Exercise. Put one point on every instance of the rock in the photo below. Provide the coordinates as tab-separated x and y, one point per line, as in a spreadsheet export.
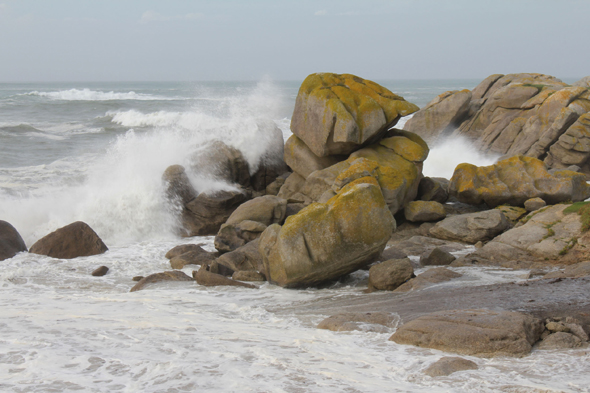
512	213
437	257
420	211
72	241
581	269
430	277
422	245
392	253
222	270
291	189
137	278
573	146
433	189
513	181
303	161
101	271
183	249
274	187
441	116
557	327
11	242
483	333
159	277
326	241
560	340
471	228
248	275
389	275
178	185
205	214
233	236
266	209
337	114
534	204
293	208
209	279
378	322
584	82
244	258
218	160
197	256
448	365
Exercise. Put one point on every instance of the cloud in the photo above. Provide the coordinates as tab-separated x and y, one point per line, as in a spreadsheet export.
321	13
152	16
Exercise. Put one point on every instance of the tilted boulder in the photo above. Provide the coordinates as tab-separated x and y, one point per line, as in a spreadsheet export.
337	114
471	227
72	241
11	241
325	241
178	185
482	333
515	180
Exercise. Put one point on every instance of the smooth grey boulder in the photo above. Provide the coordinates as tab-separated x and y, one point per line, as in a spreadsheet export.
483	333
11	242
437	257
218	160
471	228
178	185
303	161
266	209
388	275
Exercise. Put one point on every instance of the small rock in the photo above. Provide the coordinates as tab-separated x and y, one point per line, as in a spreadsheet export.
560	340
248	275
420	211
11	241
557	327
223	270
101	271
159	277
390	274
137	278
437	257
448	365
479	244
206	278
534	204
183	249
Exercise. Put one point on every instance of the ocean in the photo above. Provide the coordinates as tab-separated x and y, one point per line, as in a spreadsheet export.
96	152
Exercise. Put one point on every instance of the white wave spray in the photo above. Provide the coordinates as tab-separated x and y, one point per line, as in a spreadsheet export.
122	196
93	95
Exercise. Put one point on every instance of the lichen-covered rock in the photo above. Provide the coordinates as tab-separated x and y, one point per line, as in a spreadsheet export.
327	240
11	241
512	213
248	275
515	180
72	241
441	116
336	114
303	161
421	211
573	146
482	333
389	275
472	227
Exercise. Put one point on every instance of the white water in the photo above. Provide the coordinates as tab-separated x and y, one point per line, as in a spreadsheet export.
63	330
92	95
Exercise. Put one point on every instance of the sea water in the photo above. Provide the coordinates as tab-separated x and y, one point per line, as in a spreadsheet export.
95	152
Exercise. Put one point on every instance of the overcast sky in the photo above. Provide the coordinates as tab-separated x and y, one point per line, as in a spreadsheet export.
183	40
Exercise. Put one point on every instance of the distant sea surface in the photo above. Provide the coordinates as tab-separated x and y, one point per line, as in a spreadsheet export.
96	152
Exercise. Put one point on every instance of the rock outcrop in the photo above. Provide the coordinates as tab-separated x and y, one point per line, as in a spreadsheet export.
517	114
327	240
515	180
11	242
72	241
337	114
483	333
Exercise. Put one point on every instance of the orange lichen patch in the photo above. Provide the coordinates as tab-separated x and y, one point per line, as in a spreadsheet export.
406	148
358	168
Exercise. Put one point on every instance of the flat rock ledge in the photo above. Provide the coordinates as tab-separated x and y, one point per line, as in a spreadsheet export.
482	333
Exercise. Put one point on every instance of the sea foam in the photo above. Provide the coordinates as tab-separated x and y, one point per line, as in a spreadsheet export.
93	95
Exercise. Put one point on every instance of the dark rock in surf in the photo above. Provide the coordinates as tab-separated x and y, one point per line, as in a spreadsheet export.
197	256
160	277
448	365
248	275
183	249
178	185
11	242
379	322
204	215
72	241
437	257
245	258
206	278
101	271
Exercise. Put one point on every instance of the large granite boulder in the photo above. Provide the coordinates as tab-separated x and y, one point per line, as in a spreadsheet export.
204	215
303	161
218	160
514	114
388	275
482	333
395	162
11	241
515	180
72	241
337	114
325	241
471	227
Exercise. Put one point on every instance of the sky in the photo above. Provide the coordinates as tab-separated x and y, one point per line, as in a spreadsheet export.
201	40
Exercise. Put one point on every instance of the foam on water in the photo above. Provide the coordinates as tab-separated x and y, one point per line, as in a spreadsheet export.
93	95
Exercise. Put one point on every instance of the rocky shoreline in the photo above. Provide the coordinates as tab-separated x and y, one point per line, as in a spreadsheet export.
346	192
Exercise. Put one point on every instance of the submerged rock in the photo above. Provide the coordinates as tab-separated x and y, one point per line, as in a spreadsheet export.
72	241
160	277
482	333
448	365
11	242
101	271
204	277
197	256
379	322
